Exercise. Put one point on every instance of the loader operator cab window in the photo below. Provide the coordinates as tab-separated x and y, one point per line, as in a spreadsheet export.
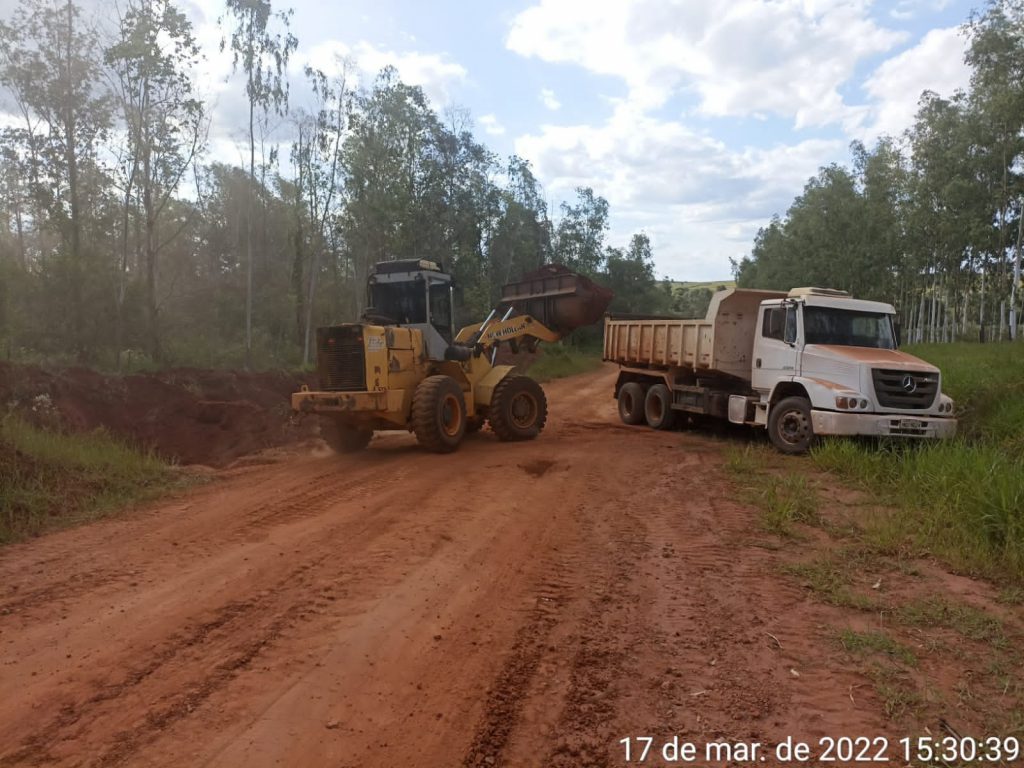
404	302
441	309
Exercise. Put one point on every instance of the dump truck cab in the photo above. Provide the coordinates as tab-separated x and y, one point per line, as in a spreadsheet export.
841	355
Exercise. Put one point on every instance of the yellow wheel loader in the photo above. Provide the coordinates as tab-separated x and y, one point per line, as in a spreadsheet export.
404	367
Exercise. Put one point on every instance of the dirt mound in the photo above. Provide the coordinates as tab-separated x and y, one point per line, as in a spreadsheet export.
190	415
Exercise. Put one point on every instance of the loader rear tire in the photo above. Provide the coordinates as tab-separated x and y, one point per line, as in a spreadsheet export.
658	408
342	437
439	414
518	409
631	403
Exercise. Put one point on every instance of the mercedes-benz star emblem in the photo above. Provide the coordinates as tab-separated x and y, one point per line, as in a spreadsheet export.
909	384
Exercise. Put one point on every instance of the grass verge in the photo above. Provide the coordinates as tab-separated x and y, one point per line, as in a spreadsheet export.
557	361
961	500
784	500
51	480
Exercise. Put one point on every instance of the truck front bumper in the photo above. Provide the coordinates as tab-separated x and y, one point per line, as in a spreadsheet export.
882	425
347	402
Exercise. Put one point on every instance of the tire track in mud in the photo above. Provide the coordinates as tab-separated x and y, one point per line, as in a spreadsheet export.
210	654
574	631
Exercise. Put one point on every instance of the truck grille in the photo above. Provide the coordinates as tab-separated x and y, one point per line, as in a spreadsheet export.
905	389
341	359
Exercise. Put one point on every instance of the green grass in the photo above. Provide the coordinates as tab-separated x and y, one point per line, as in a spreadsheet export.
831	578
961	500
784	500
50	480
963	619
556	361
876	642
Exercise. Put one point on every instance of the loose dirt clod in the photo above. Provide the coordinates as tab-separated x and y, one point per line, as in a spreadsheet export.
537	467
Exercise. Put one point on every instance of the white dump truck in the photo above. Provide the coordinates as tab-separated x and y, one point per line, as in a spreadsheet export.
806	363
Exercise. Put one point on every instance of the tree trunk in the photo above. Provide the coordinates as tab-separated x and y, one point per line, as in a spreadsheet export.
248	237
71	158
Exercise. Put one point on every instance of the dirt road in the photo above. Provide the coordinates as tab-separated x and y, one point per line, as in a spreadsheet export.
521	605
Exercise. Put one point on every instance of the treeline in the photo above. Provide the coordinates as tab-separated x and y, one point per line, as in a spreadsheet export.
931	220
123	244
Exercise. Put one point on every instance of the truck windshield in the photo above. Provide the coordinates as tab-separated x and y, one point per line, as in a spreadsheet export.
848	328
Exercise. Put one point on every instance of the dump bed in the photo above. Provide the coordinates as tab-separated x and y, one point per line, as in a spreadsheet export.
722	342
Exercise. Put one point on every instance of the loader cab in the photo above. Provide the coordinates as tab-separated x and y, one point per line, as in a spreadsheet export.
414	293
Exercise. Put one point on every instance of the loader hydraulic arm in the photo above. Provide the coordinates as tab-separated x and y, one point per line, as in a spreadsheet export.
507	329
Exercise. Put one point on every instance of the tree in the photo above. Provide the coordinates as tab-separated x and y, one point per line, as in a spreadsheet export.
50	65
579	237
263	56
151	62
316	156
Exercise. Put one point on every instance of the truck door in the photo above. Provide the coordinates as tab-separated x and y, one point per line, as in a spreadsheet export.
776	351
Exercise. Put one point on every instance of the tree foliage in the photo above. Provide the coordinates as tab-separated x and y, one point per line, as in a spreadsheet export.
930	220
123	244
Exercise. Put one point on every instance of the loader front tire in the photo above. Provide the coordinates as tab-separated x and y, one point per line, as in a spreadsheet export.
439	414
342	437
518	409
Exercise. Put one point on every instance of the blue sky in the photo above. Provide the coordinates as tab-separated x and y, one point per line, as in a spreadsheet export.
696	120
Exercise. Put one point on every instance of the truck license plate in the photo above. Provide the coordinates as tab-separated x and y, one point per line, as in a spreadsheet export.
912	424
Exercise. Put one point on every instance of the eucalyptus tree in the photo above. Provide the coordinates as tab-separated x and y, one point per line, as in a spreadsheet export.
316	155
262	54
152	63
49	64
996	56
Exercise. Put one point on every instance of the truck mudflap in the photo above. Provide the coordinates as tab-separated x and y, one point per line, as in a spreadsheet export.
308	401
882	425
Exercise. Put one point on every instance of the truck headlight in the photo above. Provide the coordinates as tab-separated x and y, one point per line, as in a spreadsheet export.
851	402
946	405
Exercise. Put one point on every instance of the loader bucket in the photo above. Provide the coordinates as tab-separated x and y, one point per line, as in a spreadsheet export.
558	297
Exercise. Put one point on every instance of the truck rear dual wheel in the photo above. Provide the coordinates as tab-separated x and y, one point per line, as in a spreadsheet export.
439	414
518	409
658	408
343	437
789	425
631	403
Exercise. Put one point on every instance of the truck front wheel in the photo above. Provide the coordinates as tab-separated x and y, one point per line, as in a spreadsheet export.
789	425
342	437
631	403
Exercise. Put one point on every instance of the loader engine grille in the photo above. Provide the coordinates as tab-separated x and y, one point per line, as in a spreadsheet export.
905	389
341	359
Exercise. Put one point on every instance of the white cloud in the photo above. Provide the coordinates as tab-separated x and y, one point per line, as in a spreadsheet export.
751	57
548	98
908	9
436	73
936	63
700	201
491	125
